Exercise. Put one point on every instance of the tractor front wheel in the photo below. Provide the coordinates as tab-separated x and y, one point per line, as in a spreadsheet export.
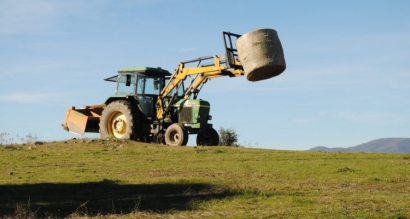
208	137
117	120
176	135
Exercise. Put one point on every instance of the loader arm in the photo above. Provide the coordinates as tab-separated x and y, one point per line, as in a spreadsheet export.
200	75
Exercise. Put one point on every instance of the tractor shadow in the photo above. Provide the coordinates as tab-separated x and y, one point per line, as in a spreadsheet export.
104	198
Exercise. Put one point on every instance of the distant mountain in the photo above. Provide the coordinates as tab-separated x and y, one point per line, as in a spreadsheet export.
384	145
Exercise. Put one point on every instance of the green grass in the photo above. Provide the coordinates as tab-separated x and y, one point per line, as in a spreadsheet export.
125	179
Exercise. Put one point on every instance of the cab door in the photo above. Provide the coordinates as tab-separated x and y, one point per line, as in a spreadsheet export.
147	91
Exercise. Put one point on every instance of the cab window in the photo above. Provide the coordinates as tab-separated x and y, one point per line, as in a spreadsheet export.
122	87
180	90
149	86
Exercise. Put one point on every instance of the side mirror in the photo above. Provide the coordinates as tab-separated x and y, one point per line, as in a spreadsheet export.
128	81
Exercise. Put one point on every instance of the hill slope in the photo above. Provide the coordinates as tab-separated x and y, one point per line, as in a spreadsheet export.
384	145
121	179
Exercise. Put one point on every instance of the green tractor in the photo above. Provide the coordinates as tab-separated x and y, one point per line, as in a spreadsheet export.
153	105
131	112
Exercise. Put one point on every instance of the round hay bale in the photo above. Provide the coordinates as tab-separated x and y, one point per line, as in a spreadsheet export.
261	55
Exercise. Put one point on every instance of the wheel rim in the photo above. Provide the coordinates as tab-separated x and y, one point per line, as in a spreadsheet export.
117	125
174	136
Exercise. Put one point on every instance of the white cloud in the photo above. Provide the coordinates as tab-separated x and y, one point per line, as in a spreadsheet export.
39	16
24	97
26	16
304	120
372	117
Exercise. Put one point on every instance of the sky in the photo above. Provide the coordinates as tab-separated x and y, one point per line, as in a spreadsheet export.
347	79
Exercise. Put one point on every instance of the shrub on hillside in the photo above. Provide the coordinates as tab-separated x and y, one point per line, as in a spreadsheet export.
228	137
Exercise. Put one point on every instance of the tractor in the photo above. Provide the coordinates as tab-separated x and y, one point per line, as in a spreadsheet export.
153	105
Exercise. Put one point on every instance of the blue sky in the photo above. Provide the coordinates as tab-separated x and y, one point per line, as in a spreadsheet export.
346	82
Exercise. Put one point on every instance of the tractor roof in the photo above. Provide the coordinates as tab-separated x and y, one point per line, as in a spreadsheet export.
146	71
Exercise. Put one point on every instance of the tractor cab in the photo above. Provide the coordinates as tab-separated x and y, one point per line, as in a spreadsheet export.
139	81
142	83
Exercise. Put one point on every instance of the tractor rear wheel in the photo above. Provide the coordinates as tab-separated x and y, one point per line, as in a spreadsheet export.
208	137
176	135
117	120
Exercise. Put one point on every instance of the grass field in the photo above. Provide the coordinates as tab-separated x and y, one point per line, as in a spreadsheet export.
125	179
